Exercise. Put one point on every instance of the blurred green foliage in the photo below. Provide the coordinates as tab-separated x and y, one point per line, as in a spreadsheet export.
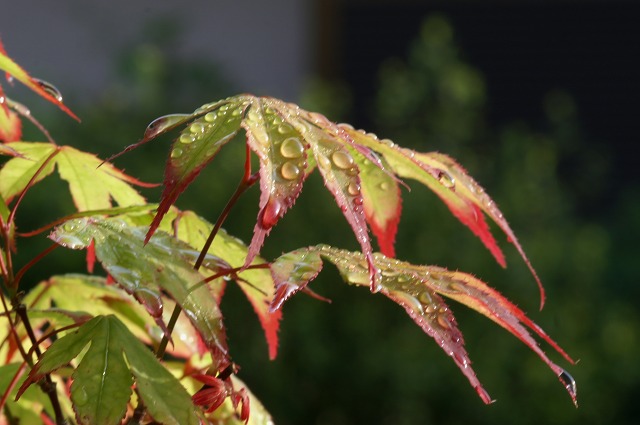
361	360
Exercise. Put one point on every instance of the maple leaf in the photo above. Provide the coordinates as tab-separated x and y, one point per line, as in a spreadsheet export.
420	291
92	187
361	171
145	271
103	379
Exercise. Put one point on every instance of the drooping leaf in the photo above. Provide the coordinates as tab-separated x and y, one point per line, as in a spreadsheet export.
145	271
419	290
282	152
256	284
92	187
102	380
363	183
42	88
10	124
196	146
466	199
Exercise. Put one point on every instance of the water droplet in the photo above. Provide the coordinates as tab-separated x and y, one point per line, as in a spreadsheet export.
291	148
346	126
570	384
161	124
372	135
384	186
236	112
270	214
317	118
210	117
425	298
456	287
150	300
358	201
446	179
187	138
387	142
197	128
79	396
253	116
223	108
408	301
342	159
323	161
353	189
176	153
289	170
284	128
49	88
443	322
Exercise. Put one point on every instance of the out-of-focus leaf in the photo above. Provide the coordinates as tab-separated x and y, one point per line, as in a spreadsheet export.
145	271
227	415
92	186
102	380
418	289
43	89
257	284
10	124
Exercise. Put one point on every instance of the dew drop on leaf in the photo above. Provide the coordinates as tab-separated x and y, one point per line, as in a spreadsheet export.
210	117
291	147
384	186
80	397
176	153
197	128
342	160
284	129
353	189
49	88
289	171
445	179
187	138
161	124
570	385
324	162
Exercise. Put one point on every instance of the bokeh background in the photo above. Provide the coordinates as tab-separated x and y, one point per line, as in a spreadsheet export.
537	99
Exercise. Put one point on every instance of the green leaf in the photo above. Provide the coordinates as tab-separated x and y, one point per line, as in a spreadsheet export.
256	284
102	380
419	290
91	184
145	271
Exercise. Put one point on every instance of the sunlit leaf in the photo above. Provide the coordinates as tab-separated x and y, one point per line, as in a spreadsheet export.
196	146
419	290
40	87
92	187
145	271
102	380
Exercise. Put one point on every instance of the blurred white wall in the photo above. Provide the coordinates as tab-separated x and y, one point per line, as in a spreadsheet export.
262	45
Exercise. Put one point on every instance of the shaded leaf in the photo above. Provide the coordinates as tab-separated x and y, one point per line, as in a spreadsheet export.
419	290
256	284
10	124
102	380
145	271
92	187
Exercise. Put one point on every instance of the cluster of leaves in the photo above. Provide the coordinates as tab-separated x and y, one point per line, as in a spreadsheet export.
165	270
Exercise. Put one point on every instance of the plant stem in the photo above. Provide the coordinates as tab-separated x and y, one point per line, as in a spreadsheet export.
247	181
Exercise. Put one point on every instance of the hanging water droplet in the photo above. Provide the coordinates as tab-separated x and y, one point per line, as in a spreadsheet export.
49	88
289	170
161	124
79	395
284	128
197	128
353	189
446	179
342	159
570	384
210	117
176	153
291	148
387	142
270	214
187	138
